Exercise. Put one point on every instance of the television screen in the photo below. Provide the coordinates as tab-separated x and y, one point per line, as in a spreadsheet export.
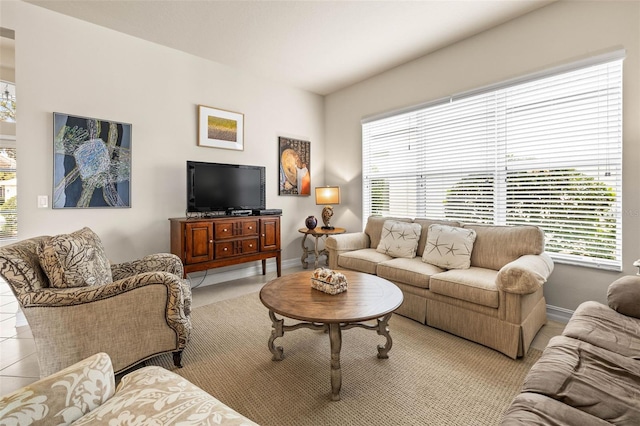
224	187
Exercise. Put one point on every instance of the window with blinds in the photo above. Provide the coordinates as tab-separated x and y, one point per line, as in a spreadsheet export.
8	183
544	150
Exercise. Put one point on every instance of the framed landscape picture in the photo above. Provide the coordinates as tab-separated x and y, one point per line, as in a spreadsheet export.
218	128
92	162
295	167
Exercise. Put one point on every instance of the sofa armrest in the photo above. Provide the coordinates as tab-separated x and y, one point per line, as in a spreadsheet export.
177	310
164	262
341	243
623	296
526	274
79	295
64	396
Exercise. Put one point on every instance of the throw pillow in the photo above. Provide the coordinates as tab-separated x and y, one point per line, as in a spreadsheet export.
399	239
623	295
449	247
75	260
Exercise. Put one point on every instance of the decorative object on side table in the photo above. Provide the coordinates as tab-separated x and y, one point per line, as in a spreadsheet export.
311	222
327	195
328	281
218	128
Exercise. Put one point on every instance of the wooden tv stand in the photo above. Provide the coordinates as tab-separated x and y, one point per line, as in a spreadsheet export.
213	242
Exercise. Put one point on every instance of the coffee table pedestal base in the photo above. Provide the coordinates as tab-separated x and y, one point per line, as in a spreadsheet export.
335	341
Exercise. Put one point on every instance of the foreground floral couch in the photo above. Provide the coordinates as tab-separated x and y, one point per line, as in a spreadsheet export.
590	375
480	282
85	394
77	303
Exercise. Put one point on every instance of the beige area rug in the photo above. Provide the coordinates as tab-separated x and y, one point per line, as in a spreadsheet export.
431	377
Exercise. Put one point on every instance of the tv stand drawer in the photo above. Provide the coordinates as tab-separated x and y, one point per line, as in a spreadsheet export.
236	247
235	228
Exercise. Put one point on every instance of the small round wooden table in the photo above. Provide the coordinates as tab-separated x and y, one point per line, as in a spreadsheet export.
367	297
317	233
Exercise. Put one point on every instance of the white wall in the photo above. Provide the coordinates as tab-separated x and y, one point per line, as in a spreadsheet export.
559	33
70	66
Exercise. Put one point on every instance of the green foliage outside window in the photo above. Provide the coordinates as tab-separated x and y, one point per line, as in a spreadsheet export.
563	202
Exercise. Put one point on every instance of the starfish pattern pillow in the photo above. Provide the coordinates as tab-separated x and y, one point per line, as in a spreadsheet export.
449	247
399	239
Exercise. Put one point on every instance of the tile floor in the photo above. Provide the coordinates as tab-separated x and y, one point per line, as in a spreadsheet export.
19	365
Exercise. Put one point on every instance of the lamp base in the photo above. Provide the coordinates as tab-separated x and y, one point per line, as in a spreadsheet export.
327	212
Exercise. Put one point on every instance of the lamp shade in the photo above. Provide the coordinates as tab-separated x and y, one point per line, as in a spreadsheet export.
327	195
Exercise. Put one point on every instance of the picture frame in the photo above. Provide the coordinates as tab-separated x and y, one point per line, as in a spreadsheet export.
294	158
218	128
91	163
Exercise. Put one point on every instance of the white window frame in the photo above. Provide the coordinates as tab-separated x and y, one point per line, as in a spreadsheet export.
403	137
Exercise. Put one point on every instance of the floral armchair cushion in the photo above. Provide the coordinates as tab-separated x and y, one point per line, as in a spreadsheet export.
75	260
63	397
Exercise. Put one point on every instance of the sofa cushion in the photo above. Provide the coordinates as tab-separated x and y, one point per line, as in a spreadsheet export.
374	227
365	260
623	295
449	247
601	326
75	260
408	271
399	239
475	285
62	397
422	243
496	245
594	380
154	396
533	409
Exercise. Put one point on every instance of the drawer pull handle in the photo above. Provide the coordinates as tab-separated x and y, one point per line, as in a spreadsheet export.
210	241
225	249
224	230
251	227
250	245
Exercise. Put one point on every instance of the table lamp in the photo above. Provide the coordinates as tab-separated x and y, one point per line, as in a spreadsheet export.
327	195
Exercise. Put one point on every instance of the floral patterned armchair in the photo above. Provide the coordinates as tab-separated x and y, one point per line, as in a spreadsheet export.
78	304
85	394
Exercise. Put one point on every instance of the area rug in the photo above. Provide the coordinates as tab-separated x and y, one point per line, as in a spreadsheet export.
431	377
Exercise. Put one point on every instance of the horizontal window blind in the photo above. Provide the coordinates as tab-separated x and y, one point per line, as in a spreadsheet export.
8	193
546	152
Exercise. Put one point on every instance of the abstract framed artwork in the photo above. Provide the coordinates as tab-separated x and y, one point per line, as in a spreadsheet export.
92	162
218	128
295	167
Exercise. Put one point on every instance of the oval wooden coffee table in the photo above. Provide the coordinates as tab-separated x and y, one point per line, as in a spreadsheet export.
368	297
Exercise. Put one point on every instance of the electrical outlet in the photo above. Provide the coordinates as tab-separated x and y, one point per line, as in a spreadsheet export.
43	201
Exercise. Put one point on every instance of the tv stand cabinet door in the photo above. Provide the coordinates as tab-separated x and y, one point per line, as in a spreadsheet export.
269	234
199	242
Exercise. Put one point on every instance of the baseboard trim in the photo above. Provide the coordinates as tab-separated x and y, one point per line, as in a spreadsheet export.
221	275
556	313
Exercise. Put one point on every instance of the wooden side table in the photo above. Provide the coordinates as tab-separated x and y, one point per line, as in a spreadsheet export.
316	233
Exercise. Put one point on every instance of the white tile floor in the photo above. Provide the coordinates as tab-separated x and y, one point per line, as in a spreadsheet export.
19	365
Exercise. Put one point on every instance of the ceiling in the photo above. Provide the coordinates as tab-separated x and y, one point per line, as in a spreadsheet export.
319	46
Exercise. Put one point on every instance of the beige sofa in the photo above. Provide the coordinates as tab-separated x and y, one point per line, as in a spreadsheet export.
498	301
590	375
85	394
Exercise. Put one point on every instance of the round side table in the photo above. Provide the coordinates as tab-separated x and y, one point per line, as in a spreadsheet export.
316	233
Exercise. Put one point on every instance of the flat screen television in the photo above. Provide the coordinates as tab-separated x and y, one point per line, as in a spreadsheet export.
215	187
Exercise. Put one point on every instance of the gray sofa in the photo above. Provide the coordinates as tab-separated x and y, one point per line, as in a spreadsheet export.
498	301
590	375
